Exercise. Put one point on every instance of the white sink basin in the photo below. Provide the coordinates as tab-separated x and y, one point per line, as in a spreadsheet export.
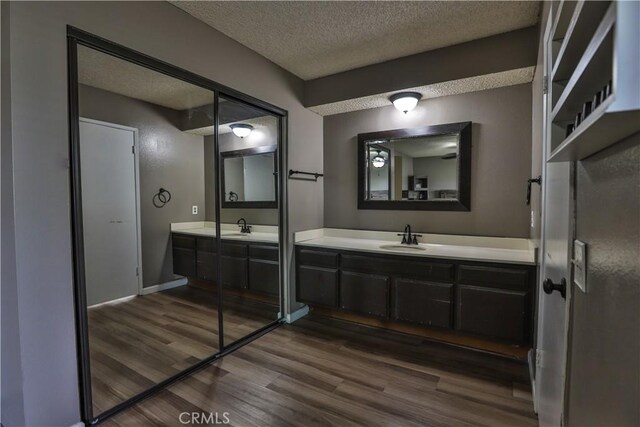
234	234
402	248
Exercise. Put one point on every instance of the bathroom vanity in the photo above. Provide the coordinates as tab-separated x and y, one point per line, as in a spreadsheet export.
250	261
481	287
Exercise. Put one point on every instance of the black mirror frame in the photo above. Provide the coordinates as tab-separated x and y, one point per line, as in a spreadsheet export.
464	168
265	149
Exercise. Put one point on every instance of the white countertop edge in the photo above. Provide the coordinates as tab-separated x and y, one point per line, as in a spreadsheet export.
259	233
476	248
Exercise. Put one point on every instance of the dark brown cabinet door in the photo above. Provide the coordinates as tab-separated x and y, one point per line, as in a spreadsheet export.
207	265
264	277
425	303
317	286
492	312
184	262
364	293
234	272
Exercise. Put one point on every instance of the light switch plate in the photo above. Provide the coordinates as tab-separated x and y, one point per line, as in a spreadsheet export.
580	265
194	210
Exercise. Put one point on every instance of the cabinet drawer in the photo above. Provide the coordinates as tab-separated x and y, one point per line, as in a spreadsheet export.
207	265
206	244
317	285
441	272
267	253
317	258
234	272
184	262
182	241
264	277
421	302
364	293
495	277
234	249
492	312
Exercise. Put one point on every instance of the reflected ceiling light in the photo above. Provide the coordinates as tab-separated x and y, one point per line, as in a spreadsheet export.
378	161
241	129
405	101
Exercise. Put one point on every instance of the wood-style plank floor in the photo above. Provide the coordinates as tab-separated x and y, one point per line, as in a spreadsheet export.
137	343
320	371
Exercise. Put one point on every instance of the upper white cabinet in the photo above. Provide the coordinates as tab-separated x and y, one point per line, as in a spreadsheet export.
594	82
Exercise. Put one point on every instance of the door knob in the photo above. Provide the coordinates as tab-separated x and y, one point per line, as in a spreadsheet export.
561	287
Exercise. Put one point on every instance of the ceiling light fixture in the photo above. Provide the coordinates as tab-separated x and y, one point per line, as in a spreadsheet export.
241	129
405	101
378	161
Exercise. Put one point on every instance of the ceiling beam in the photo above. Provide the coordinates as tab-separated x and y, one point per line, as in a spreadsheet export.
508	51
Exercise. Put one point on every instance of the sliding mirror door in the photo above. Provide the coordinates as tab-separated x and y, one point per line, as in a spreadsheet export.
249	156
146	225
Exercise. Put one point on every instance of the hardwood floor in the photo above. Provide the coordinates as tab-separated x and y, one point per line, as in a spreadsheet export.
137	343
321	371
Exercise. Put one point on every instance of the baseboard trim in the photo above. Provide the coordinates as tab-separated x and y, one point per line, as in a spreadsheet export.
532	377
297	315
164	286
113	301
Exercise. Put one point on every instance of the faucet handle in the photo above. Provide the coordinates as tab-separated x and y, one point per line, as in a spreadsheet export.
404	238
415	238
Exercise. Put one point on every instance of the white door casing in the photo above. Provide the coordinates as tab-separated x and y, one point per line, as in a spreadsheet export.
556	238
110	211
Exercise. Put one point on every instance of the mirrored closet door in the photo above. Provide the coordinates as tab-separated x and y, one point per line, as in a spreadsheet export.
248	141
176	217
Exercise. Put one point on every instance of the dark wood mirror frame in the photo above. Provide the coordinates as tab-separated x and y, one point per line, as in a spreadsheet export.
464	168
270	204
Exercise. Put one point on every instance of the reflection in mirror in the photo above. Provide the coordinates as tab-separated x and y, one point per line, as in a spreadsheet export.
425	168
419	168
147	317
250	268
249	175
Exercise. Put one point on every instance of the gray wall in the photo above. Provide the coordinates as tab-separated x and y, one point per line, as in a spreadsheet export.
604	357
40	143
11	405
501	163
169	158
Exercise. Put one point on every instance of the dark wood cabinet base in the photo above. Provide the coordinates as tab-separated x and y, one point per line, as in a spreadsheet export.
449	297
511	351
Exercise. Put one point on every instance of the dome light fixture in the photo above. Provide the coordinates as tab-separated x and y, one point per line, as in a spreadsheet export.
378	161
405	101
241	129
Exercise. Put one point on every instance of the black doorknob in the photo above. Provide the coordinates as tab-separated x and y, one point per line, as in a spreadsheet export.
561	287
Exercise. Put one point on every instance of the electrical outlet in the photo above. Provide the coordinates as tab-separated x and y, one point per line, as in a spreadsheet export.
194	210
579	262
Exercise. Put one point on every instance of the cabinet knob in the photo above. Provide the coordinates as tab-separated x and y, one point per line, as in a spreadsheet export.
548	286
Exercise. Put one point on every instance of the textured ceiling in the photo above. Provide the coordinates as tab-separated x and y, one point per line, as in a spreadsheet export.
106	72
314	39
452	87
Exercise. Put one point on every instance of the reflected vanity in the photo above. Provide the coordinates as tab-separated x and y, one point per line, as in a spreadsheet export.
416	169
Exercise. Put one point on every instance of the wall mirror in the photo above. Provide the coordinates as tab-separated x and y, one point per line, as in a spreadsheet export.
249	177
425	168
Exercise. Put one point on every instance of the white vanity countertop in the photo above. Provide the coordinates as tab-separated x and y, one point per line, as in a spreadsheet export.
474	248
259	233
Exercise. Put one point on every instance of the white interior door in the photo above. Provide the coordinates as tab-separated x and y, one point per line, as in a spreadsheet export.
109	211
554	266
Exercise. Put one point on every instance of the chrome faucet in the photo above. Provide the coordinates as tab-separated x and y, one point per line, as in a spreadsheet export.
244	228
409	238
